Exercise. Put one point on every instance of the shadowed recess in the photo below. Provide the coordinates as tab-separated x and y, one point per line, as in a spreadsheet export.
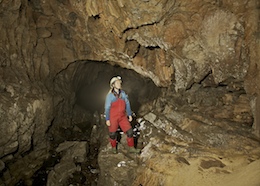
92	79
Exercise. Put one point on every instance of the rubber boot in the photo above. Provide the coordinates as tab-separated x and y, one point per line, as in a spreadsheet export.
114	150
113	144
130	142
134	150
131	149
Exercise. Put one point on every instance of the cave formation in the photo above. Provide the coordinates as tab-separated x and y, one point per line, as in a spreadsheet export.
190	68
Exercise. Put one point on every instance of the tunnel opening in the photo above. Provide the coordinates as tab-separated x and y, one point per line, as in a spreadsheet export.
91	83
84	121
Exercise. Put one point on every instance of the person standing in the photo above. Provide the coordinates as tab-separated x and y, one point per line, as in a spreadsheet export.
118	113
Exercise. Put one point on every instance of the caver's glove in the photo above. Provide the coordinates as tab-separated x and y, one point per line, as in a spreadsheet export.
130	118
108	123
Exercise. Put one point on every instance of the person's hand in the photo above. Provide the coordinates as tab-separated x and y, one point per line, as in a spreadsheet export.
108	123
130	118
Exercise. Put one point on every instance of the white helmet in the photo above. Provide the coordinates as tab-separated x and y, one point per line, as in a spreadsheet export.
114	79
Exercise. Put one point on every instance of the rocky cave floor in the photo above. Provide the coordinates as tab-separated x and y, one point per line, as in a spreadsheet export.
63	166
185	144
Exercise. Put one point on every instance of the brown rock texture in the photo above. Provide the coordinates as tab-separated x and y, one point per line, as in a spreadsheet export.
177	44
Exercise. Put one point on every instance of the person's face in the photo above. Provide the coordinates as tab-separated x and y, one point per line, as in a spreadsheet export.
118	84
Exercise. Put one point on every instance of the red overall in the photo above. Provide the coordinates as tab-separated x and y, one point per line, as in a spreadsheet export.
118	118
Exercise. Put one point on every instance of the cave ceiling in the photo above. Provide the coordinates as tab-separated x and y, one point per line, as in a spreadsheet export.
167	41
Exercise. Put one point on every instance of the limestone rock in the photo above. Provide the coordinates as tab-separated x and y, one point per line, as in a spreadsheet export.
177	44
72	153
116	168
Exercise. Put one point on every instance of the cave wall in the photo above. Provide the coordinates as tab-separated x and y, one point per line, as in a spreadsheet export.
172	42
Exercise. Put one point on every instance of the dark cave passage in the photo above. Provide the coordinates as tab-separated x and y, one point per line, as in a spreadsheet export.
91	82
84	119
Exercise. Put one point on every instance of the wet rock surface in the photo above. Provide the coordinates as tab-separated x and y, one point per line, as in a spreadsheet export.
183	144
212	150
202	129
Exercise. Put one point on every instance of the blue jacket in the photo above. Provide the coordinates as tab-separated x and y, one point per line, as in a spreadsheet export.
112	98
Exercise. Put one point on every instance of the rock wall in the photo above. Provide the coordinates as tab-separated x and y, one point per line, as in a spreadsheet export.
172	41
175	43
